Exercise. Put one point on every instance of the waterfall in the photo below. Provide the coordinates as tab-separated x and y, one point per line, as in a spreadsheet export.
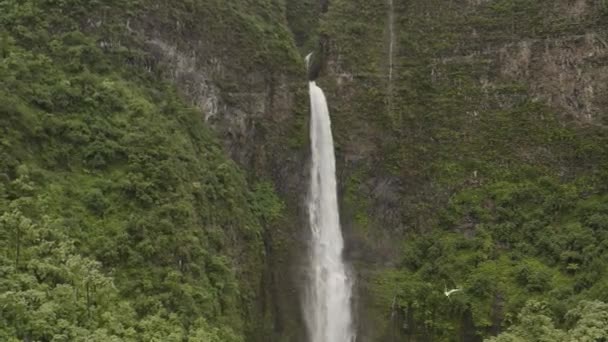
328	295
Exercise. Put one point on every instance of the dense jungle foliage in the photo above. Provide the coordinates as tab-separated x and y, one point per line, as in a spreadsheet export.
488	186
121	219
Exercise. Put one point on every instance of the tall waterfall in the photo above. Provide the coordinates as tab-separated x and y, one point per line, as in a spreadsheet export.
328	296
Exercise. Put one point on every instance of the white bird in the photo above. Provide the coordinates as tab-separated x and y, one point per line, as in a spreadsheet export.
448	293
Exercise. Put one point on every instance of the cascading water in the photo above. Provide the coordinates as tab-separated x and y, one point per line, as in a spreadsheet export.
328	297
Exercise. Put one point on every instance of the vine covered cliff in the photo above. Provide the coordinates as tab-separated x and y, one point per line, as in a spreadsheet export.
153	161
472	146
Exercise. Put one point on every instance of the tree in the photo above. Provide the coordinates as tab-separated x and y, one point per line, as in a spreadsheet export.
588	322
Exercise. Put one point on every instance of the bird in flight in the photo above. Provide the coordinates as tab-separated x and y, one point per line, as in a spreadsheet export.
448	293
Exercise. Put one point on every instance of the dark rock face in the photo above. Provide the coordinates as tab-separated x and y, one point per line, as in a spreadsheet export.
567	72
324	5
258	111
401	153
458	68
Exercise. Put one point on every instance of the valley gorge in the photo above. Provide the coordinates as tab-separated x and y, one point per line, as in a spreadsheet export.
156	168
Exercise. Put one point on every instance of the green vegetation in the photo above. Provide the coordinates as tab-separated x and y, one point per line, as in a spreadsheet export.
587	322
505	244
120	217
303	19
468	177
251	36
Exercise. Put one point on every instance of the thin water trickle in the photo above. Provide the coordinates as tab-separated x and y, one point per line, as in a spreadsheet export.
391	37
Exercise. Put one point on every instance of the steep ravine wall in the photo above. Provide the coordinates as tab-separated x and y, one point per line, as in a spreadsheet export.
106	148
468	77
411	121
416	89
259	111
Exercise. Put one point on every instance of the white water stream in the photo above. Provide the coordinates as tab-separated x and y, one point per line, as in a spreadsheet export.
328	296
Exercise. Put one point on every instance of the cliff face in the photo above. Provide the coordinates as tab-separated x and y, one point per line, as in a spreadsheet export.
471	150
441	109
246	77
118	200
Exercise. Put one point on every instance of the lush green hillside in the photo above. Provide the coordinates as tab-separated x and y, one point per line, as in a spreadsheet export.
141	143
121	219
480	163
586	322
